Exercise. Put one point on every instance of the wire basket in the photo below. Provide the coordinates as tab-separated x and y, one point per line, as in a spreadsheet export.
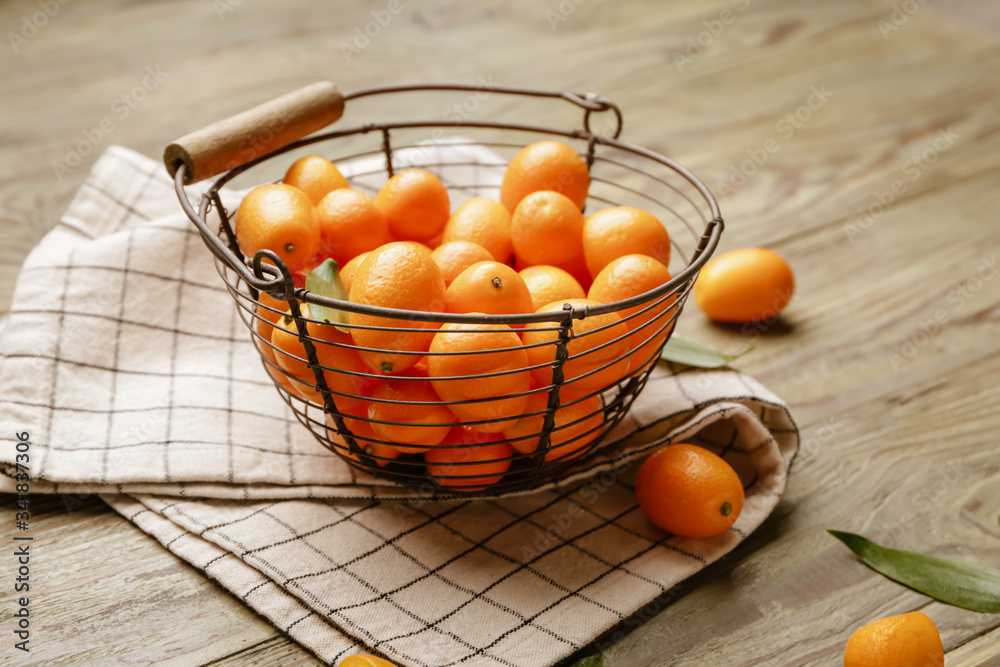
557	383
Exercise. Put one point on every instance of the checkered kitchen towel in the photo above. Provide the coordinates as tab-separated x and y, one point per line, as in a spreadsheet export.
124	359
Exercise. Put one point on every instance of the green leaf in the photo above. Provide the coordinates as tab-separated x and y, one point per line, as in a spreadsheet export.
949	580
325	280
685	352
590	661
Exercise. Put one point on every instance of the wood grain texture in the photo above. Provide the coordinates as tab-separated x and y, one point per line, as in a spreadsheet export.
898	414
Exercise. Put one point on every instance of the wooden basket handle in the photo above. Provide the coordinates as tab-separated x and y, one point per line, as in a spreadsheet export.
246	136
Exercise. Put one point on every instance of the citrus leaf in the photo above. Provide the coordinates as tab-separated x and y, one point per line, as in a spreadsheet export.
325	280
950	580
685	352
590	661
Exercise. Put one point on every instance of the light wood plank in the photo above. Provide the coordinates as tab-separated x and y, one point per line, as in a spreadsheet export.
274	651
978	652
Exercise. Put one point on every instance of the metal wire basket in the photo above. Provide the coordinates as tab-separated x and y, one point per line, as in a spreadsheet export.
576	396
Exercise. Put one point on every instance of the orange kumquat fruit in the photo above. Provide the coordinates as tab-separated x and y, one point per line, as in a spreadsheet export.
546	228
316	176
468	460
334	350
397	275
689	491
456	256
359	660
417	424
545	165
488	287
630	276
482	221
548	284
349	224
364	435
280	218
269	311
347	271
598	350
746	285
497	349
623	230
907	640
415	204
576	425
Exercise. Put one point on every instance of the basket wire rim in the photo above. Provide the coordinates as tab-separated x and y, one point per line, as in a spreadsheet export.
267	273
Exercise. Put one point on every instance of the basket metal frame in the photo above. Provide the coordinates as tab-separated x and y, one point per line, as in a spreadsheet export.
265	272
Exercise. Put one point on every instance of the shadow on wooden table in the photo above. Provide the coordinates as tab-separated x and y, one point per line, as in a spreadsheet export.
770	531
778	327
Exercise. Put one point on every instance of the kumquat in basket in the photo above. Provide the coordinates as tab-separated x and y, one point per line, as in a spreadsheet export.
433	378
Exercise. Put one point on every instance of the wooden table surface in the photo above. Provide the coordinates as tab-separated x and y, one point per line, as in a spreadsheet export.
876	124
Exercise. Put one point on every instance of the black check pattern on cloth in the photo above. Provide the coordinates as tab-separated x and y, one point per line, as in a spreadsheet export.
138	382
